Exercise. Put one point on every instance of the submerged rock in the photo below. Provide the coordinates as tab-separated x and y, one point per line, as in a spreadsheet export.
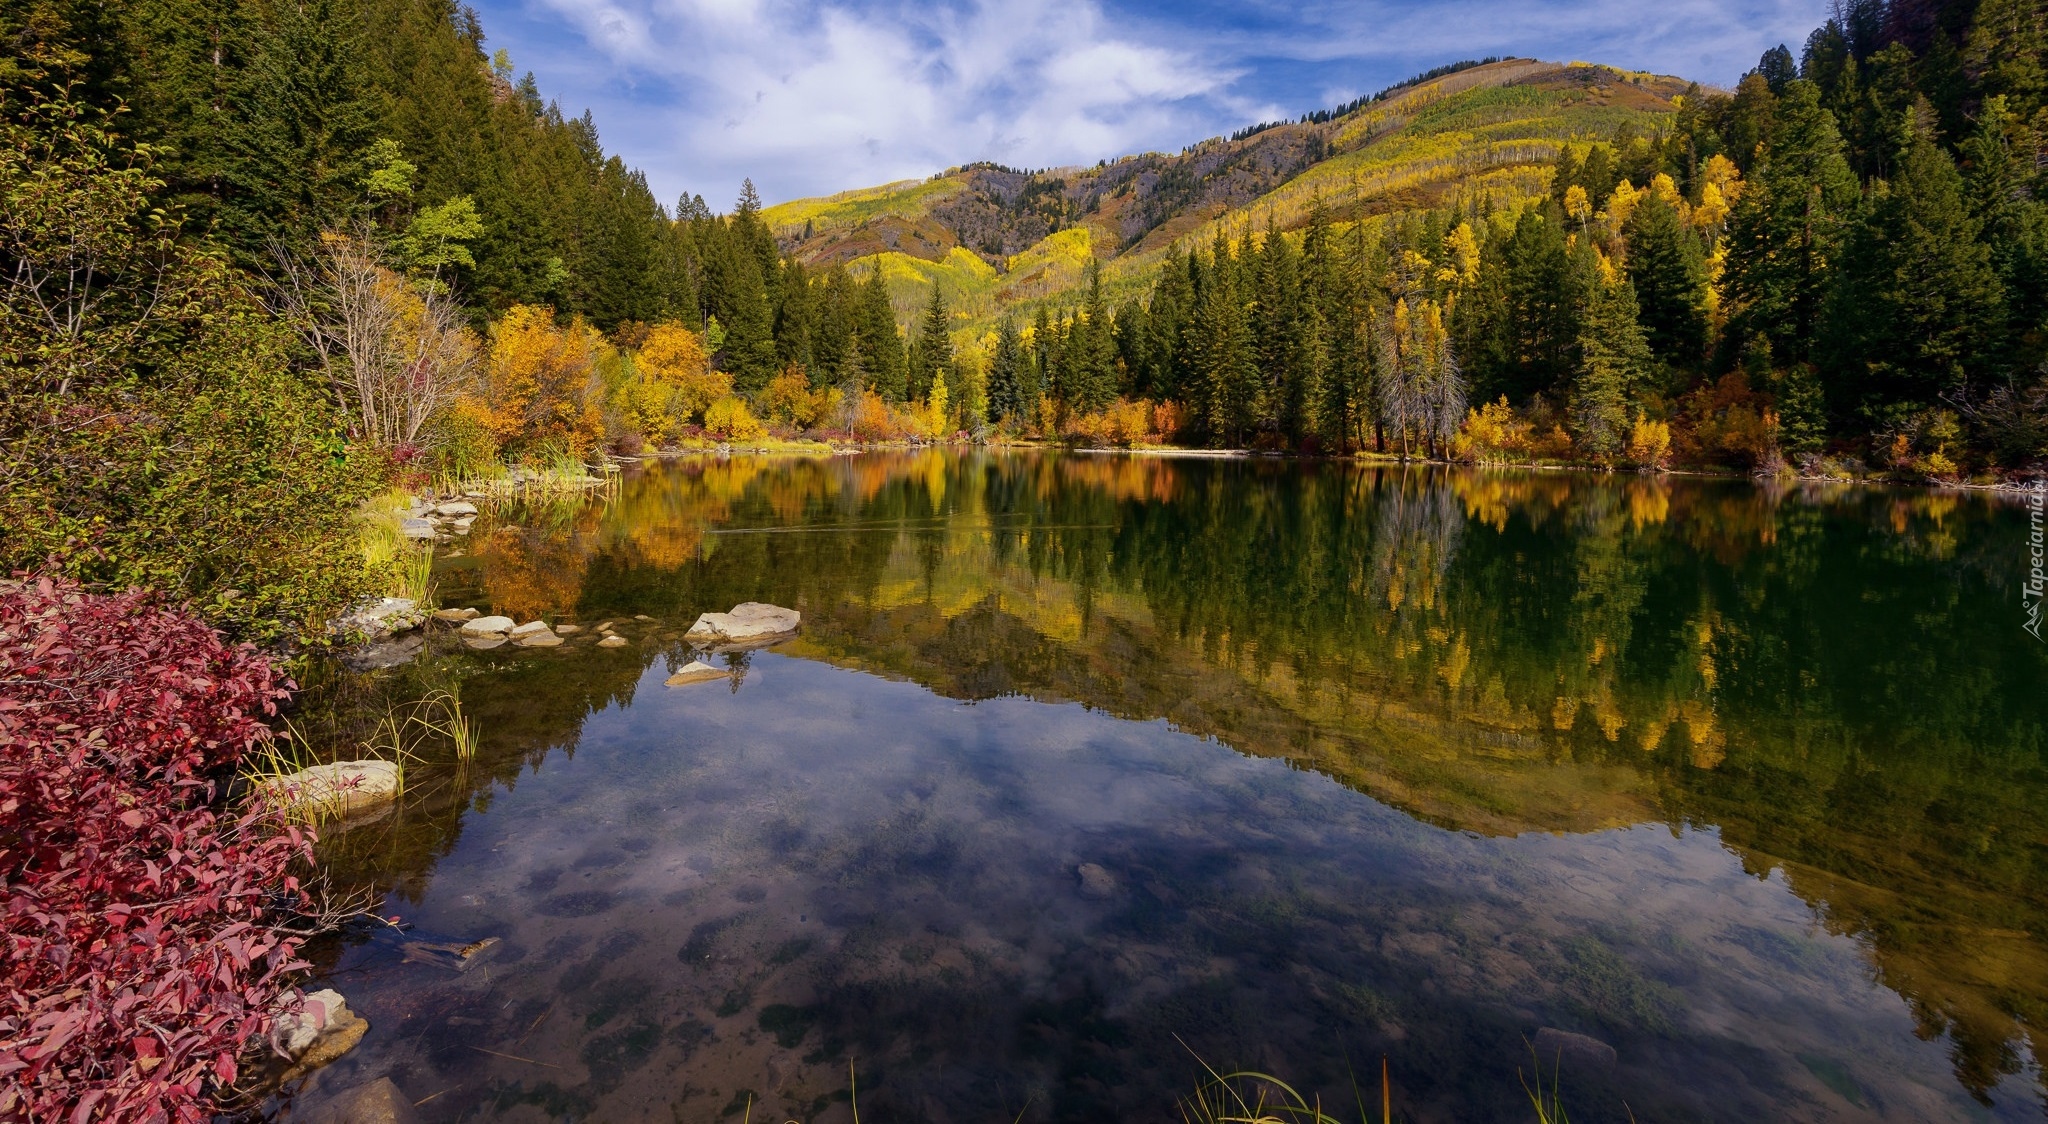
320	1030
749	622
339	789
613	642
696	671
379	1102
485	626
542	639
1564	1049
485	641
1096	881
454	616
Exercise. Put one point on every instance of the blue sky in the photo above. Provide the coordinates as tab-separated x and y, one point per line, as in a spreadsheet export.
810	97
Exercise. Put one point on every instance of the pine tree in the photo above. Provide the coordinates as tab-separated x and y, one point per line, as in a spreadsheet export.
1614	364
1666	267
879	345
1005	373
1091	361
1917	309
1787	226
932	351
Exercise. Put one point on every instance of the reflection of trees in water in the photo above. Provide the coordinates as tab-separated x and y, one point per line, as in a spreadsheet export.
1818	673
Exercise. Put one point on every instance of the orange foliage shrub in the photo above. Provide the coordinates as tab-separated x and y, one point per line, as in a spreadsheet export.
873	420
789	400
1167	419
541	378
677	384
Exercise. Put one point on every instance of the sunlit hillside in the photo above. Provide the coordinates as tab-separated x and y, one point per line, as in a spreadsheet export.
995	238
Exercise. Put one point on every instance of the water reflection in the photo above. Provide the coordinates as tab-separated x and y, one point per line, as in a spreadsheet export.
1826	683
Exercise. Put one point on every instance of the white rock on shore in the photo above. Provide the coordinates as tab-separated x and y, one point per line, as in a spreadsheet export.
748	622
487	626
339	789
320	1029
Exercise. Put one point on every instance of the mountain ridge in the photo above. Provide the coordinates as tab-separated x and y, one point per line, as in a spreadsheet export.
1480	131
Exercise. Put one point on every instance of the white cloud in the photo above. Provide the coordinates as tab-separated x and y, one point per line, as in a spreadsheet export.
809	97
815	96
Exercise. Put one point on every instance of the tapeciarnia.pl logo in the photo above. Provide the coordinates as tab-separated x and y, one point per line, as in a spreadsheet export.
2030	593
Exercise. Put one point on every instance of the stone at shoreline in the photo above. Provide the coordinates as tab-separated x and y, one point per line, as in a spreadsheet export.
528	629
1563	1049
642	617
456	507
416	529
613	642
379	1102
383	617
320	1030
1096	881
537	640
568	629
696	671
484	626
455	616
339	789
748	622
602	626
391	651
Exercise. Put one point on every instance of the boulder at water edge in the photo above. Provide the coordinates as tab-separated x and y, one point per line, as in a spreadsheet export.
319	1030
337	790
613	642
747	623
487	626
455	616
417	529
696	671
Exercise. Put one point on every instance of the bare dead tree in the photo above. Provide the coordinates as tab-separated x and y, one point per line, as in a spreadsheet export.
395	350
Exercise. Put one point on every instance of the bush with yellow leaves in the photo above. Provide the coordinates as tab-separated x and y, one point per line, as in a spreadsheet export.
1493	434
728	419
1649	443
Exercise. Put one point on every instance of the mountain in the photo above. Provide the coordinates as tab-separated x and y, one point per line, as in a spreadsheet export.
994	238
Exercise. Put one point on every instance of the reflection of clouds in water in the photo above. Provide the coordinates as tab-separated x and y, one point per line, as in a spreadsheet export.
721	892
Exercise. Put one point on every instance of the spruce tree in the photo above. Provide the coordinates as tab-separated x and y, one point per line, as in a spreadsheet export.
1005	373
1917	309
1787	226
931	353
1614	362
1666	267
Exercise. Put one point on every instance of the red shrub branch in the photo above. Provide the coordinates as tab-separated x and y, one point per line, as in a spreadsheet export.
137	958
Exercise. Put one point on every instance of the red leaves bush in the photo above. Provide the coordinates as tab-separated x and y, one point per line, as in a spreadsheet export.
138	958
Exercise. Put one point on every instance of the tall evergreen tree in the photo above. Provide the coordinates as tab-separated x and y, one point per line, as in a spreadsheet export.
931	353
1667	269
1006	377
1614	362
1787	225
1917	307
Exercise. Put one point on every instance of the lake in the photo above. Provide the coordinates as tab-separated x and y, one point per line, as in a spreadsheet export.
1085	772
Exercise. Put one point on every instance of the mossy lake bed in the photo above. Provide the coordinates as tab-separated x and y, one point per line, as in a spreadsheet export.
1082	768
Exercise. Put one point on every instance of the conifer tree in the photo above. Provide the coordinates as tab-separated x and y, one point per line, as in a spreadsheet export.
1917	309
1667	269
1091	361
1005	373
932	351
1786	227
1614	362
